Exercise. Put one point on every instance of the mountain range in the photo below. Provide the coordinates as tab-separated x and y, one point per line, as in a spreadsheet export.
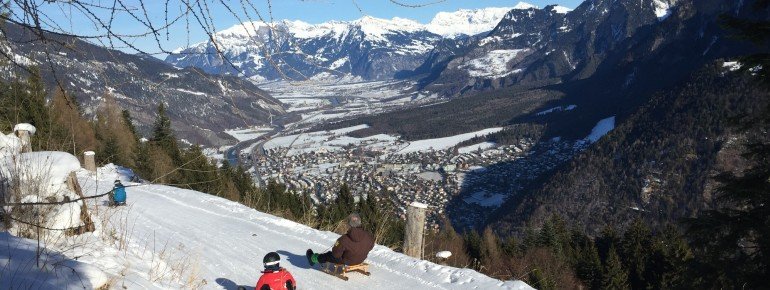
367	49
139	83
655	67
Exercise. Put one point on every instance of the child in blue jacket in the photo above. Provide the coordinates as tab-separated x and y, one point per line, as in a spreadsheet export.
118	194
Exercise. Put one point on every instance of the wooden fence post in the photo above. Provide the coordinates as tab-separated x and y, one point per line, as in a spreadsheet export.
26	145
24	131
85	217
89	160
415	226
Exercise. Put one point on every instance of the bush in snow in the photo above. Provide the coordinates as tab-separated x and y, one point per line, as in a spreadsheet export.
38	177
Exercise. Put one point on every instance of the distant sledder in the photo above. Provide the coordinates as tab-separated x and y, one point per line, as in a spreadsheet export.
348	253
274	277
118	194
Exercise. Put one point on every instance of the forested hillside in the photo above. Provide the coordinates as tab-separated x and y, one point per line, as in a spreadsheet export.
658	165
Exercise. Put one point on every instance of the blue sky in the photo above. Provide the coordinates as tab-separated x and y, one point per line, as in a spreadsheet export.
76	19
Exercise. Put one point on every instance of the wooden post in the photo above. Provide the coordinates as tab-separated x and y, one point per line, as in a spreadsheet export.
26	145
89	161
85	217
415	226
24	131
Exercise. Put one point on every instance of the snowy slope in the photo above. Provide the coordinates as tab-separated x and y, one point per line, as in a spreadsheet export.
172	238
446	142
466	22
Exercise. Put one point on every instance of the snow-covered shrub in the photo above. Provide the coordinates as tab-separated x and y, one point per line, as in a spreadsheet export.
39	177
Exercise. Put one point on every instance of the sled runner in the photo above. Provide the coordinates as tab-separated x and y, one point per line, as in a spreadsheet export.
340	270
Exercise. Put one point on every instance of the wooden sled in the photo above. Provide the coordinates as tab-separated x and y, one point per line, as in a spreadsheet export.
341	270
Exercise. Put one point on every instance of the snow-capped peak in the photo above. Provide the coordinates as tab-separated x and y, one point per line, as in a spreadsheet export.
466	22
663	8
524	6
374	28
560	9
301	29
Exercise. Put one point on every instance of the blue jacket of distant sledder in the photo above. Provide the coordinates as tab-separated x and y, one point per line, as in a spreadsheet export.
119	193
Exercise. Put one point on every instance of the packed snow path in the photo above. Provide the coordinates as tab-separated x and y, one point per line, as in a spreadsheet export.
228	241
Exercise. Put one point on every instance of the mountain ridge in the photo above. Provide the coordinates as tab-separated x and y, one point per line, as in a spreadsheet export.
369	48
138	83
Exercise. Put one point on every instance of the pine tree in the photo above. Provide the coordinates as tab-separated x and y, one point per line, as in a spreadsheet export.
635	249
163	135
735	238
474	247
670	261
511	247
126	115
198	173
538	280
585	258
615	276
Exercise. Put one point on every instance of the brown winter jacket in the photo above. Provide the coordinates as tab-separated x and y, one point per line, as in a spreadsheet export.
353	247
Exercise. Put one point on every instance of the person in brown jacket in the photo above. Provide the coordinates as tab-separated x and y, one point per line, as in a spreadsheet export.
350	249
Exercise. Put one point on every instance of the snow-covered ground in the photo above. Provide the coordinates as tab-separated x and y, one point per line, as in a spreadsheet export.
486	199
492	65
446	142
171	238
476	147
602	127
329	141
321	101
334	140
248	134
557	109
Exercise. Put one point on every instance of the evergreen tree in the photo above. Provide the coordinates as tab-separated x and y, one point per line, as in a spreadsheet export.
670	261
510	247
473	246
126	115
198	173
736	237
615	276
585	258
143	164
163	135
608	239
538	281
635	249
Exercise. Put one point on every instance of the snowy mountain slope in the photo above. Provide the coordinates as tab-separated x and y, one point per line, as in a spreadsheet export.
454	65
139	83
370	48
176	238
466	22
